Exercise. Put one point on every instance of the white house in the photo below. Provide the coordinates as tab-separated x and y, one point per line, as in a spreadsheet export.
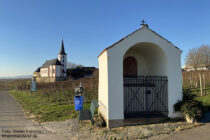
139	76
54	69
199	68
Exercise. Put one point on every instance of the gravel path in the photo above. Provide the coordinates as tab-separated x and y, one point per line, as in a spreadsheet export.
84	130
15	126
197	133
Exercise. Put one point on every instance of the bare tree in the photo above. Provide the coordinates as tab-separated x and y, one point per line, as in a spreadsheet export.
193	58
198	57
71	65
204	54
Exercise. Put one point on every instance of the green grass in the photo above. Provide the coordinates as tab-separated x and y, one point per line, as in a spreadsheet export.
205	100
45	108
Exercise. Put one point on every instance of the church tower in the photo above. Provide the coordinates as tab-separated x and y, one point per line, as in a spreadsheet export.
62	57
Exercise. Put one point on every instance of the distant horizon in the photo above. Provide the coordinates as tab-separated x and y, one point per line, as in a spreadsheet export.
31	31
17	77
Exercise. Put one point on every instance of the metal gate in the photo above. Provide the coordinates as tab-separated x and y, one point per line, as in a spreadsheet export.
145	96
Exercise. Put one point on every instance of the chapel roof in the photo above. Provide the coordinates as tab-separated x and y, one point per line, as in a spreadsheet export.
144	26
51	62
62	50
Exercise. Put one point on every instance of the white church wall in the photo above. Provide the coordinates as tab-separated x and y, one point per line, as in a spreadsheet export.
63	59
53	70
65	65
50	71
44	72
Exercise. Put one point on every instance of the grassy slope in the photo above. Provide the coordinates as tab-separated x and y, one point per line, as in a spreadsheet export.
205	100
43	108
194	76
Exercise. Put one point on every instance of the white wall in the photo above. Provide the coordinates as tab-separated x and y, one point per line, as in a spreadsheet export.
115	71
63	59
103	85
53	71
115	87
151	60
174	82
50	71
44	72
142	66
55	68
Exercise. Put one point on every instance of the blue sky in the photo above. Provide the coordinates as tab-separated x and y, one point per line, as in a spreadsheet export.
31	30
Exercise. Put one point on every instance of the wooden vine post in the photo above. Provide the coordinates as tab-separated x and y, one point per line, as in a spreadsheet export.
190	80
201	88
204	83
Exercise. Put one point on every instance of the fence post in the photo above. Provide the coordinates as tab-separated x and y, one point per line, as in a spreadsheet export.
204	82
201	88
53	92
56	92
190	80
63	93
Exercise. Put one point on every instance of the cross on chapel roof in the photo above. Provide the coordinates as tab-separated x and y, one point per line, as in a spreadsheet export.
143	23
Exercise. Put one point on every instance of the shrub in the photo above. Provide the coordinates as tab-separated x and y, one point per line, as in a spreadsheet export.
189	105
192	108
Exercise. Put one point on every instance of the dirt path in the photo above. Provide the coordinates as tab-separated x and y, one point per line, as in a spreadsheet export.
196	133
14	124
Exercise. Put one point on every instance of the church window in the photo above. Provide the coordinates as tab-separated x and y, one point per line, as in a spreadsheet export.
53	70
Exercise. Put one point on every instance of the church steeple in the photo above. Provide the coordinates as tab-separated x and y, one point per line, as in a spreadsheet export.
62	50
62	57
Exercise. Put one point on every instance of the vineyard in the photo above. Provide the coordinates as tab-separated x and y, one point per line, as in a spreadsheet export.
55	101
51	101
198	82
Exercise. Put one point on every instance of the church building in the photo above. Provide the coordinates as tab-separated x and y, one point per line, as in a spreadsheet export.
53	70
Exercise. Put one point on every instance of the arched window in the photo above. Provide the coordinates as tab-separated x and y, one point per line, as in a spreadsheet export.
130	66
